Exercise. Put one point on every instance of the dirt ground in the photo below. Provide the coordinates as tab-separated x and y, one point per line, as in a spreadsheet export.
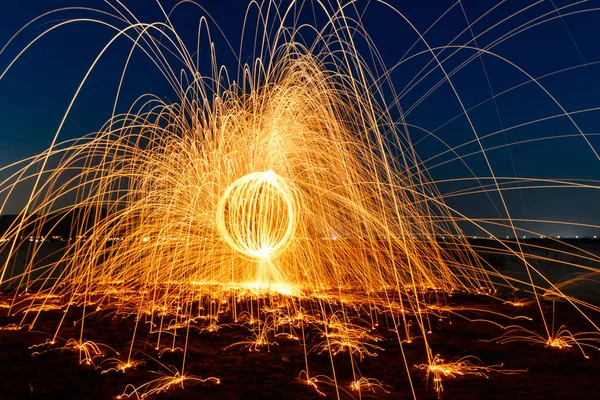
274	373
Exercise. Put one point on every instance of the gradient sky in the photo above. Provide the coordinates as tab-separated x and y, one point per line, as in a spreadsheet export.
35	93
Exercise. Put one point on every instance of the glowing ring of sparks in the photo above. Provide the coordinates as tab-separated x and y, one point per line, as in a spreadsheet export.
257	215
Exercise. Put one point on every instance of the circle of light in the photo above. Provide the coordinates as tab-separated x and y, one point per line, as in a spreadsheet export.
256	215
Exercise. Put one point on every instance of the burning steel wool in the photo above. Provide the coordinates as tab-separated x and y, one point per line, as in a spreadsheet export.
288	203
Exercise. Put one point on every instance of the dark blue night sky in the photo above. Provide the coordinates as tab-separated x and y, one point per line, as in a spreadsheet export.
35	93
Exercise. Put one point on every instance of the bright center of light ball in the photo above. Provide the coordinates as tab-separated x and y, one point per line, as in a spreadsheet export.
256	215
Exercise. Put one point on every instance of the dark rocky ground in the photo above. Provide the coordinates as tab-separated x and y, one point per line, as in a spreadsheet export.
244	374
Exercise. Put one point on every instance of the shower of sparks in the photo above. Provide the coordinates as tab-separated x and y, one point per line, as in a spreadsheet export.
286	201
